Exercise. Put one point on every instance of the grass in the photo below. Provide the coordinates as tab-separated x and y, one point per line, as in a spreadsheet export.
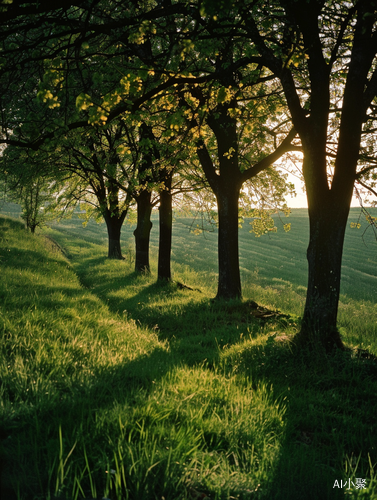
274	260
115	386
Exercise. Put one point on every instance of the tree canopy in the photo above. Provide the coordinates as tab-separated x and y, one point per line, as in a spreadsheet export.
242	82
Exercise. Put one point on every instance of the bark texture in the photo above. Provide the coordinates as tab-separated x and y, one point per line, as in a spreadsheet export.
226	186
114	225
143	196
142	232
166	229
324	254
229	283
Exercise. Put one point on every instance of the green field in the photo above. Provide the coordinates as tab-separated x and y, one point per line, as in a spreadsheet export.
115	386
275	260
278	258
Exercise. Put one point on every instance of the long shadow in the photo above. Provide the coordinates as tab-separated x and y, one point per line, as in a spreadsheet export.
73	407
187	320
150	304
331	407
331	403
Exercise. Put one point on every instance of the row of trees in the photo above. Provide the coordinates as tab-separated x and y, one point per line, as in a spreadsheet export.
135	103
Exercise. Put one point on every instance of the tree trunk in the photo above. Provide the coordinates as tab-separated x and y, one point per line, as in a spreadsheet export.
226	185
229	285
166	227
324	259
142	231
114	225
328	214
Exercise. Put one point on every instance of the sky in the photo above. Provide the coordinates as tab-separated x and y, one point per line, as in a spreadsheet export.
300	201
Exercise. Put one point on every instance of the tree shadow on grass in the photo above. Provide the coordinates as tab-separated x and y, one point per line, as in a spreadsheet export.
30	436
177	310
194	325
331	403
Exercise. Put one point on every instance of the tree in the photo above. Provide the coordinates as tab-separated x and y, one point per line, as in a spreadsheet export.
33	203
27	184
104	161
165	224
219	110
19	8
161	50
143	196
315	47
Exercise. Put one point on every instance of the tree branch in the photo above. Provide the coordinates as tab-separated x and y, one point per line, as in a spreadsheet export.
271	158
367	187
207	165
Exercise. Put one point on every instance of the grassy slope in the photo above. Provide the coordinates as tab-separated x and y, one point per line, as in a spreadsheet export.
167	391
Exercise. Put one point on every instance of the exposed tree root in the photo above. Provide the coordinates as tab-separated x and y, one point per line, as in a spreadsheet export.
312	340
182	286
